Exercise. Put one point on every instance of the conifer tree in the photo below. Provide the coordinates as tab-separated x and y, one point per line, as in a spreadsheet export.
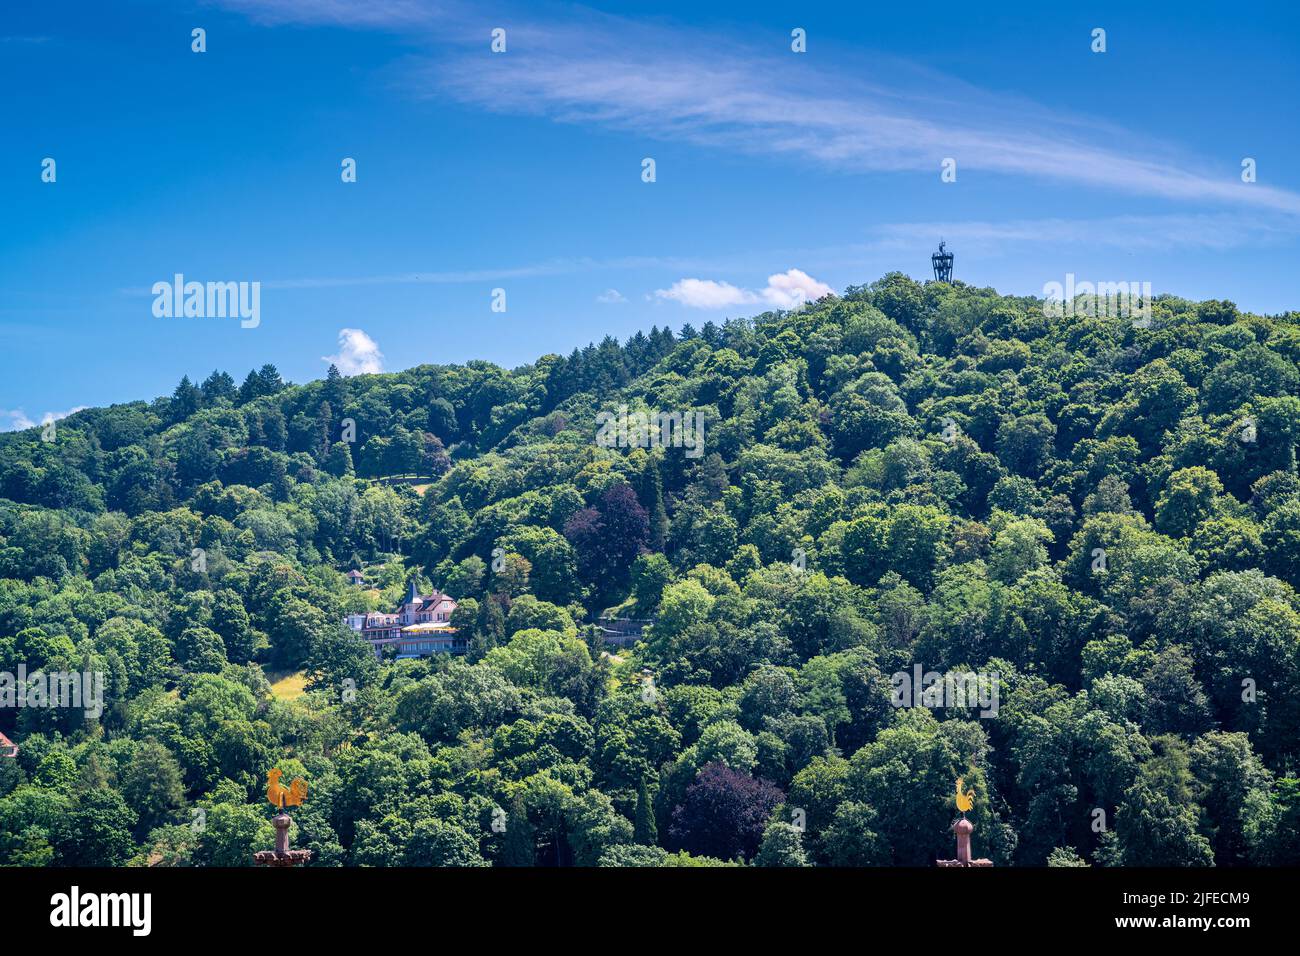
186	400
518	848
650	491
647	832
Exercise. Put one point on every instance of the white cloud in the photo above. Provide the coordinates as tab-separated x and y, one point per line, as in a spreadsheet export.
18	420
685	86
1150	233
662	80
705	294
381	14
611	297
792	288
784	290
358	353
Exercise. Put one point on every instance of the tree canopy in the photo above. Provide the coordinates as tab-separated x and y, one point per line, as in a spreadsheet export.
1103	515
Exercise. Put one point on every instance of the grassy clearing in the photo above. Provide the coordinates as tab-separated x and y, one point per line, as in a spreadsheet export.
287	685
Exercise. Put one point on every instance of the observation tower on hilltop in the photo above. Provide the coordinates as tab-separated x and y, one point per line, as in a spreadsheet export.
942	262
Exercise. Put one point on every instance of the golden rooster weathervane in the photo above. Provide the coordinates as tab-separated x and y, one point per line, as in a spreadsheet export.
963	828
965	801
282	796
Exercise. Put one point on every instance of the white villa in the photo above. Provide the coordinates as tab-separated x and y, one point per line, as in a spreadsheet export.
421	626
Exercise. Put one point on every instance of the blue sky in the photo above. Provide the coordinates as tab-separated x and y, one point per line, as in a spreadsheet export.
522	170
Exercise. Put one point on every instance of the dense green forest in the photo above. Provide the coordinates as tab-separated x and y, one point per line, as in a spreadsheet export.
1104	514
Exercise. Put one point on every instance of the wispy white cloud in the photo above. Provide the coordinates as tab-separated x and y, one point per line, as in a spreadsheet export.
1207	231
672	82
371	14
988	239
535	270
611	297
18	420
784	290
969	237
358	353
738	100
551	267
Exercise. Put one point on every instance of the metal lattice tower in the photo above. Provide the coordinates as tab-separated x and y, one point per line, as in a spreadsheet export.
942	262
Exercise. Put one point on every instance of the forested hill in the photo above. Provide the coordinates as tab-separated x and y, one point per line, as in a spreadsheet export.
1104	514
